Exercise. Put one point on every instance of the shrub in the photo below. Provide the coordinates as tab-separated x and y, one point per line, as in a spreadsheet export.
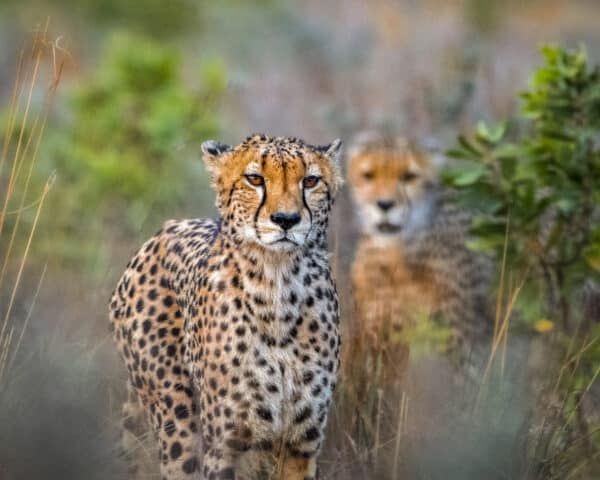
537	198
126	151
542	187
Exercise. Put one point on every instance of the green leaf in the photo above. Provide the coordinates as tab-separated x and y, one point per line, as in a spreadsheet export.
470	146
470	176
491	134
592	258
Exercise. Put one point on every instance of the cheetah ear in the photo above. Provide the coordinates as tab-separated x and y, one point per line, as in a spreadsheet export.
333	151
212	152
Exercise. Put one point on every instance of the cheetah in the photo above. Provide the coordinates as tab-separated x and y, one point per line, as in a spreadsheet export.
229	327
411	260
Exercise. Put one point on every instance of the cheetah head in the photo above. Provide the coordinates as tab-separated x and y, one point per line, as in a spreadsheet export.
274	191
389	179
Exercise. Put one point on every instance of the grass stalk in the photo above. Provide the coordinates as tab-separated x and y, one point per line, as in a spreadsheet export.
37	52
399	430
26	141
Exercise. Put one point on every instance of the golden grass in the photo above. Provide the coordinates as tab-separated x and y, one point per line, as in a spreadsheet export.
20	157
370	417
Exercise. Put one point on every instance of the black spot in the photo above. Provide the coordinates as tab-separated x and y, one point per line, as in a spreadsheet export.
272	388
169	427
190	465
181	412
264	413
311	434
237	444
168	301
304	414
227	474
176	450
240	331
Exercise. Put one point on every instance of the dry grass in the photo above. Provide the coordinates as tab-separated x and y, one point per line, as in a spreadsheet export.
20	156
505	426
376	429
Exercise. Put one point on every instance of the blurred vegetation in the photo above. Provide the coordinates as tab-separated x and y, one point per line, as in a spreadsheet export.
123	140
126	150
538	203
541	188
155	17
70	383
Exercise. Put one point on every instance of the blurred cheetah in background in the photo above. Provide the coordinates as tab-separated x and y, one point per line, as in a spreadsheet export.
411	261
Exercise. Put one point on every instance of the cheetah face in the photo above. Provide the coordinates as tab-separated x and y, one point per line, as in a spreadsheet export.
388	185
274	192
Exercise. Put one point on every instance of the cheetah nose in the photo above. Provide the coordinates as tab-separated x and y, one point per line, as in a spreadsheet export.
385	205
285	220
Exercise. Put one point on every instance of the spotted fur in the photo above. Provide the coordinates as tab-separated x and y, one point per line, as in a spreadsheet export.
229	327
412	260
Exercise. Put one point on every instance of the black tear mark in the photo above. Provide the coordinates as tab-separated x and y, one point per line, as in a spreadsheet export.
262	203
328	192
230	196
306	206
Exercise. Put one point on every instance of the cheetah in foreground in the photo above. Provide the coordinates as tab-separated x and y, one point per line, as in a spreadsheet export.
229	327
412	260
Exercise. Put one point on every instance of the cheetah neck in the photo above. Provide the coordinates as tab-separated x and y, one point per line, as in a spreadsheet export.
275	277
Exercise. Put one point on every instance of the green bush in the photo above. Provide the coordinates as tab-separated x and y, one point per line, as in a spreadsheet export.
127	149
543	185
538	197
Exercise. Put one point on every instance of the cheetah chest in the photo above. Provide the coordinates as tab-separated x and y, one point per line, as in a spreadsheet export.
269	351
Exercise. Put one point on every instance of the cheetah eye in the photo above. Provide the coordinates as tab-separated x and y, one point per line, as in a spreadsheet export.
408	176
368	175
255	180
310	181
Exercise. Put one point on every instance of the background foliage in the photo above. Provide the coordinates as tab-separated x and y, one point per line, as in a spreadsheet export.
146	82
537	198
541	190
125	145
